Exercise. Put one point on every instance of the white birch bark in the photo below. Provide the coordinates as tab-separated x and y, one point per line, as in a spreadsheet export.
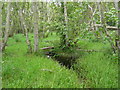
0	29
119	30
35	19
1	45
26	31
65	13
7	27
66	22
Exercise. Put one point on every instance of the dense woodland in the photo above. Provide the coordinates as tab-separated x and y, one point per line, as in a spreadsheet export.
60	44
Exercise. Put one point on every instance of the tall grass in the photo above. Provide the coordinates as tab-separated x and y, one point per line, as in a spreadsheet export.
100	68
21	70
93	69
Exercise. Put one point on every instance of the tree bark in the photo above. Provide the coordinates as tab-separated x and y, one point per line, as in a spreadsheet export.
65	13
44	18
119	19
119	31
116	4
92	21
7	27
1	33
48	12
35	19
26	31
66	23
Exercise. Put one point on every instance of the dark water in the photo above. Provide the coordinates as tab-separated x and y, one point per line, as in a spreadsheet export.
64	59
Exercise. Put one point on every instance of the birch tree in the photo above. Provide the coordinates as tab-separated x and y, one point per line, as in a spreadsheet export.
119	30
66	19
35	19
119	19
7	26
65	13
0	29
64	34
23	24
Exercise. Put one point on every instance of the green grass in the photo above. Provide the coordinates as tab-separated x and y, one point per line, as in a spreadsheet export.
93	69
100	68
21	70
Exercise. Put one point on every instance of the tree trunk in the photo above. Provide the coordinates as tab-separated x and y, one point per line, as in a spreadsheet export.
116	4
11	32
65	36
116	7
1	31
35	19
7	26
26	31
92	21
65	13
48	18
48	12
44	18
119	19
119	31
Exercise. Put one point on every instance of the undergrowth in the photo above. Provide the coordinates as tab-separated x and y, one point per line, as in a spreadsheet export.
100	68
92	69
22	70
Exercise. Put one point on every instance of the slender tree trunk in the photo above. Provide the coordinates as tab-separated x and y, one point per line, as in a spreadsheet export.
119	31
1	33
35	19
48	12
116	4
119	41
44	18
26	31
119	19
66	23
11	32
7	26
22	27
65	13
116	7
99	8
92	21
1	45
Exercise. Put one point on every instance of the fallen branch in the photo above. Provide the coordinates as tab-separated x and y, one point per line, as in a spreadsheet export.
108	27
47	48
112	28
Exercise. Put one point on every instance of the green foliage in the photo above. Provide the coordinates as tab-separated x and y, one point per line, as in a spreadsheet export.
111	17
93	69
21	70
18	38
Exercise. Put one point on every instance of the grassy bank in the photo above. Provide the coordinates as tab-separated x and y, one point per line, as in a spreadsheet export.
21	70
100	68
93	69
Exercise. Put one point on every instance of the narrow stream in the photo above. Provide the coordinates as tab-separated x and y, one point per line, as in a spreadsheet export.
65	60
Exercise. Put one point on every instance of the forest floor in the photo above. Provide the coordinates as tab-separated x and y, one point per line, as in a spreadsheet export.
92	70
